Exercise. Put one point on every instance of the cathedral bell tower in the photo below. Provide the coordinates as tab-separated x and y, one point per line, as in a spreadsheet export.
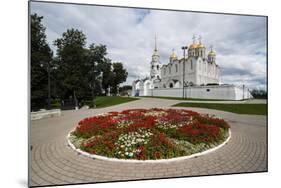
155	63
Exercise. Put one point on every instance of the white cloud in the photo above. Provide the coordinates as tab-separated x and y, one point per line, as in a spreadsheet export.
240	41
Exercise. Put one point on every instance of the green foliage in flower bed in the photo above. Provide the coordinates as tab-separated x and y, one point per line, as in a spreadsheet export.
149	134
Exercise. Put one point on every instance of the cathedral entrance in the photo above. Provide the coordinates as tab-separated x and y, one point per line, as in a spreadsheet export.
171	85
137	93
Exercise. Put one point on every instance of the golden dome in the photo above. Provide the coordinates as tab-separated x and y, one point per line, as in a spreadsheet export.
173	55
211	53
193	46
200	46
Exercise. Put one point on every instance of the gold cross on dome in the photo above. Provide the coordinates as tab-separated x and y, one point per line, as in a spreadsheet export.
194	38
200	38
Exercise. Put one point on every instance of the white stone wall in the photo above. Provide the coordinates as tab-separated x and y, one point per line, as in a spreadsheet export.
45	113
229	92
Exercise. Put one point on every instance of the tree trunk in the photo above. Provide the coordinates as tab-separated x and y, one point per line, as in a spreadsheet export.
75	100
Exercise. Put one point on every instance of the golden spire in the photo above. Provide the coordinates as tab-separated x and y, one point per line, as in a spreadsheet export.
194	38
212	53
193	45
173	56
155	45
200	45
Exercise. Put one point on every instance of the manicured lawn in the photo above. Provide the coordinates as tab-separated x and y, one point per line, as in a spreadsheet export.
188	99
105	101
256	109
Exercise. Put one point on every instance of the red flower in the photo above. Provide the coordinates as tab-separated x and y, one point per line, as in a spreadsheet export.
199	132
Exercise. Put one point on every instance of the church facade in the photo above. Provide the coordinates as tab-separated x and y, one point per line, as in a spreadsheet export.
196	75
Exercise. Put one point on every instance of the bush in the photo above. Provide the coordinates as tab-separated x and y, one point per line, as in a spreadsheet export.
56	103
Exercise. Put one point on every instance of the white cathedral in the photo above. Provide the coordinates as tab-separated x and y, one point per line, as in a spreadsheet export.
197	75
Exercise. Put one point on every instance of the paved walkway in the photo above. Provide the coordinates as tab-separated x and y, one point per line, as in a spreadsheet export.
53	162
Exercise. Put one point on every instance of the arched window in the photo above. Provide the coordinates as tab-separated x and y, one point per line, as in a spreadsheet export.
191	65
165	71
171	85
157	67
164	85
169	70
176	68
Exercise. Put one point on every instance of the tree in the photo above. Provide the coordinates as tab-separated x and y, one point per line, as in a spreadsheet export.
125	90
259	93
107	75
40	52
119	75
71	55
95	58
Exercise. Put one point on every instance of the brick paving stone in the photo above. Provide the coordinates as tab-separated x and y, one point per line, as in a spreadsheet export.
54	162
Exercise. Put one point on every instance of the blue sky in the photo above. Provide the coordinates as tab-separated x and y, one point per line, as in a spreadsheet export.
239	41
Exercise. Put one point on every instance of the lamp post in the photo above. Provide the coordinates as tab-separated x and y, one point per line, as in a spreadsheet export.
243	91
42	64
94	85
184	48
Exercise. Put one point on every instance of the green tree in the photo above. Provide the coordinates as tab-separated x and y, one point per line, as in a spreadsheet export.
119	75
107	75
259	93
125	90
40	53
95	60
72	57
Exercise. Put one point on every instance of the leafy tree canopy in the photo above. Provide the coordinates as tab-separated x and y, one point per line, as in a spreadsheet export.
40	53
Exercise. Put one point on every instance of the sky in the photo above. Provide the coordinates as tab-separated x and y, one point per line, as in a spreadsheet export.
129	34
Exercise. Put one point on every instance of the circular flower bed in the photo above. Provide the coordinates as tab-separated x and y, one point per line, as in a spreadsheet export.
149	134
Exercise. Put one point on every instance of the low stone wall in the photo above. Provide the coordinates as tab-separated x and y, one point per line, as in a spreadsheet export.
222	92
45	113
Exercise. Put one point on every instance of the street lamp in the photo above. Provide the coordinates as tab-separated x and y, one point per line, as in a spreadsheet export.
184	48
42	64
94	85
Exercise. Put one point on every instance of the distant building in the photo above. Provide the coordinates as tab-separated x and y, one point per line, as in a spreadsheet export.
196	76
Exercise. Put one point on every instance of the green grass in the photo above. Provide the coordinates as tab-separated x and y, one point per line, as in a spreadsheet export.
254	109
105	101
188	99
